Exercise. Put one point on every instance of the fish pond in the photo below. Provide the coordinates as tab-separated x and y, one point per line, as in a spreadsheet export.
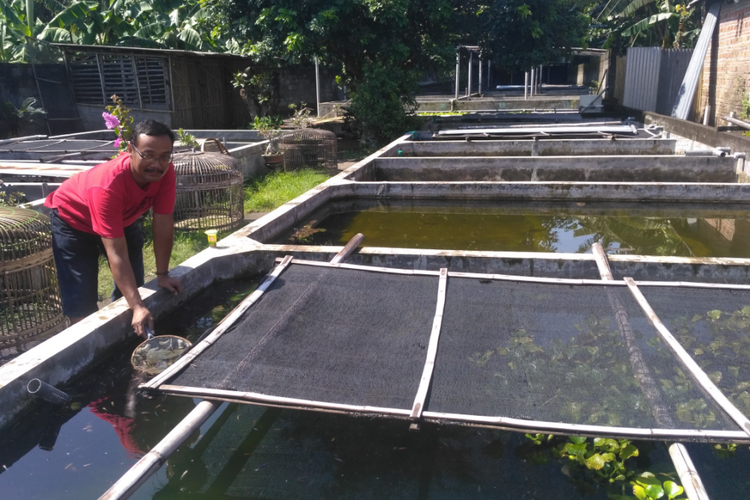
663	229
243	451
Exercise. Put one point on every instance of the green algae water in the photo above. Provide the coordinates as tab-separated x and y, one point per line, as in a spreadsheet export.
623	228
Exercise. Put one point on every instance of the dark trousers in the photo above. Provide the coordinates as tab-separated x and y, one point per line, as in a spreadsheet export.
77	261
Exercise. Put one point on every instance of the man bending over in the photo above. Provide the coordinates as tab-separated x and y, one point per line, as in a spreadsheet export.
97	211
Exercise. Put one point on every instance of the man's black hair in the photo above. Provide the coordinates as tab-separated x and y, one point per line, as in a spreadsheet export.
152	128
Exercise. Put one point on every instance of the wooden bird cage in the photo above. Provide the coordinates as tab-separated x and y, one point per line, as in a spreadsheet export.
308	148
30	304
209	192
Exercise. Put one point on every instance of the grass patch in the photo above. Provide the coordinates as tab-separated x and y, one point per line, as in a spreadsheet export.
263	194
185	246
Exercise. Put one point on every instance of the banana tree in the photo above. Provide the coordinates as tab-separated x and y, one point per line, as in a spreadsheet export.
651	22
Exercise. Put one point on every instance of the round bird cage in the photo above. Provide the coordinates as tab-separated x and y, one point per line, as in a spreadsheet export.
30	304
209	192
308	147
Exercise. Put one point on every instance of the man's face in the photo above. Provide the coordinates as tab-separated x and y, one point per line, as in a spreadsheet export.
154	158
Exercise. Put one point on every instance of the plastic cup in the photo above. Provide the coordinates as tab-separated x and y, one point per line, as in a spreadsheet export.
211	233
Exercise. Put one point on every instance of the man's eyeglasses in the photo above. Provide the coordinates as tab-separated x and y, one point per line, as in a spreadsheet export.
150	157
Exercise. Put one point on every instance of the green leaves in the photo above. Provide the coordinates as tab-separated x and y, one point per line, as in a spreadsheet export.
672	489
647	487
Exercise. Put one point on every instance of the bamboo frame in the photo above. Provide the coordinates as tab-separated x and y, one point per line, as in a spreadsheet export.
223	325
698	374
429	365
417	410
505	423
529	279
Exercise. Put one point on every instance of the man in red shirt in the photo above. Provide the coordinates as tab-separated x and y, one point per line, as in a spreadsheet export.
97	211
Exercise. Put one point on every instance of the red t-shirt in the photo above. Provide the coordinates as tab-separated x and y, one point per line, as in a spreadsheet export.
106	199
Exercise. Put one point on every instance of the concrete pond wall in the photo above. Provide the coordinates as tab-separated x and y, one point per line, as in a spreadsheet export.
80	348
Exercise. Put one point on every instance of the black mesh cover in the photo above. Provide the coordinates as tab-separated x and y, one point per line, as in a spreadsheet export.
713	325
556	353
547	352
334	335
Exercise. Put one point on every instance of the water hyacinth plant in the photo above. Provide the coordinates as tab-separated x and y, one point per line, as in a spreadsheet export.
117	118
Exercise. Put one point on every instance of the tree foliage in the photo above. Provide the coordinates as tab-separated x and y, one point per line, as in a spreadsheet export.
524	33
175	24
645	23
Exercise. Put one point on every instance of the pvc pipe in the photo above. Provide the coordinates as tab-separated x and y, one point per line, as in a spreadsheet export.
479	90
471	62
539	79
526	85
533	79
47	392
458	68
154	459
317	85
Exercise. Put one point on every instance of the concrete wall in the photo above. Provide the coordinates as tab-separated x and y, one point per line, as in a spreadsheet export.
251	159
543	147
489	104
697	132
557	168
726	70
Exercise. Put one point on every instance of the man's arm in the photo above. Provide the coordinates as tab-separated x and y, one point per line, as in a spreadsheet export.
122	271
163	225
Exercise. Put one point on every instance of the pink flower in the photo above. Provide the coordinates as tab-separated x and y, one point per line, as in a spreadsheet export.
117	142
110	121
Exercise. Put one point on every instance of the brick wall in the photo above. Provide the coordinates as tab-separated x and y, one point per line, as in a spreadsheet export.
726	70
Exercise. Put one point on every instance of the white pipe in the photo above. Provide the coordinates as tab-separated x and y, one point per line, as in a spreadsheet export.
317	85
539	79
154	459
479	91
458	68
471	62
526	85
533	80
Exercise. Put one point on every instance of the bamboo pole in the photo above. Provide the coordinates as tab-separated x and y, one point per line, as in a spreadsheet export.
429	365
587	430
646	382
350	247
419	272
689	477
698	375
159	454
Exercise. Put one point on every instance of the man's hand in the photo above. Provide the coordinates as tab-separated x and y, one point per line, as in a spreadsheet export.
171	284
142	318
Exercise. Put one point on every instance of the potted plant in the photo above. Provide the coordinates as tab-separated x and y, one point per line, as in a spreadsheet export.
269	127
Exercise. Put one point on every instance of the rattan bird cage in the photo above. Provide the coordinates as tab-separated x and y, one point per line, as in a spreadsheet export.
30	304
209	192
308	147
